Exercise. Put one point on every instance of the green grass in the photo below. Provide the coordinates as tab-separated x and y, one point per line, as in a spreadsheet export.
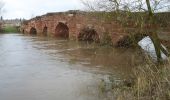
10	29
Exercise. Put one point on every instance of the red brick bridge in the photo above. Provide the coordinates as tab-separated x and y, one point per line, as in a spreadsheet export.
74	25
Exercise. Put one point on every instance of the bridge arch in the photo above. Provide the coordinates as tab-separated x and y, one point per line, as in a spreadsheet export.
33	31
88	34
45	30
61	30
23	31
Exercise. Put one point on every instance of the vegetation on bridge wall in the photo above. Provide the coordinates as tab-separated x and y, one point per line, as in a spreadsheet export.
88	34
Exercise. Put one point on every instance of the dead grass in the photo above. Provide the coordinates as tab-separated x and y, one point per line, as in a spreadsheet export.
151	82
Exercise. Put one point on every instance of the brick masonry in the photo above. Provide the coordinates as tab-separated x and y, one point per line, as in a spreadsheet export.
73	22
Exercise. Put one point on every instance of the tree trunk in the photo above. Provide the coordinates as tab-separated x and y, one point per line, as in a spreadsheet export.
153	33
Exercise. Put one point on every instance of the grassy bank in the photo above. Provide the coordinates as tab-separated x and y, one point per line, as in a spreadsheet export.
149	82
10	29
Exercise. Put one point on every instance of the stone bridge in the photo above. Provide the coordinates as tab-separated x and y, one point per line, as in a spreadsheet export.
73	25
77	25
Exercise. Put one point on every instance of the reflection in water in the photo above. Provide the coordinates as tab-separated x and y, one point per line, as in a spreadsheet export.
39	68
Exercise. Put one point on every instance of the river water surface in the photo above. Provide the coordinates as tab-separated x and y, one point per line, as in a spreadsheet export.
41	68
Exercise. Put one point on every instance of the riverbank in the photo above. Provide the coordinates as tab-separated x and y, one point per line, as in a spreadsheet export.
10	29
148	82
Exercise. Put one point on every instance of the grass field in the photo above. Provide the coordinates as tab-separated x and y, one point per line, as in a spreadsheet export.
10	29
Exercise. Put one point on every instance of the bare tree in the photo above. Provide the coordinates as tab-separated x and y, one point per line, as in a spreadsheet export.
146	17
131	5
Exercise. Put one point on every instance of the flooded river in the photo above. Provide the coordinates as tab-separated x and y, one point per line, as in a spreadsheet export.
41	68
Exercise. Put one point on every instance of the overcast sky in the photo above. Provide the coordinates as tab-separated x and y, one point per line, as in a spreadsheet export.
31	8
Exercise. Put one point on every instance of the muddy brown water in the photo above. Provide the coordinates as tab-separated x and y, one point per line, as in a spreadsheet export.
41	68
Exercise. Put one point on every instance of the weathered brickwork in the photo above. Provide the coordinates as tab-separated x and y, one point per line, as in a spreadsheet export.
71	24
56	24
